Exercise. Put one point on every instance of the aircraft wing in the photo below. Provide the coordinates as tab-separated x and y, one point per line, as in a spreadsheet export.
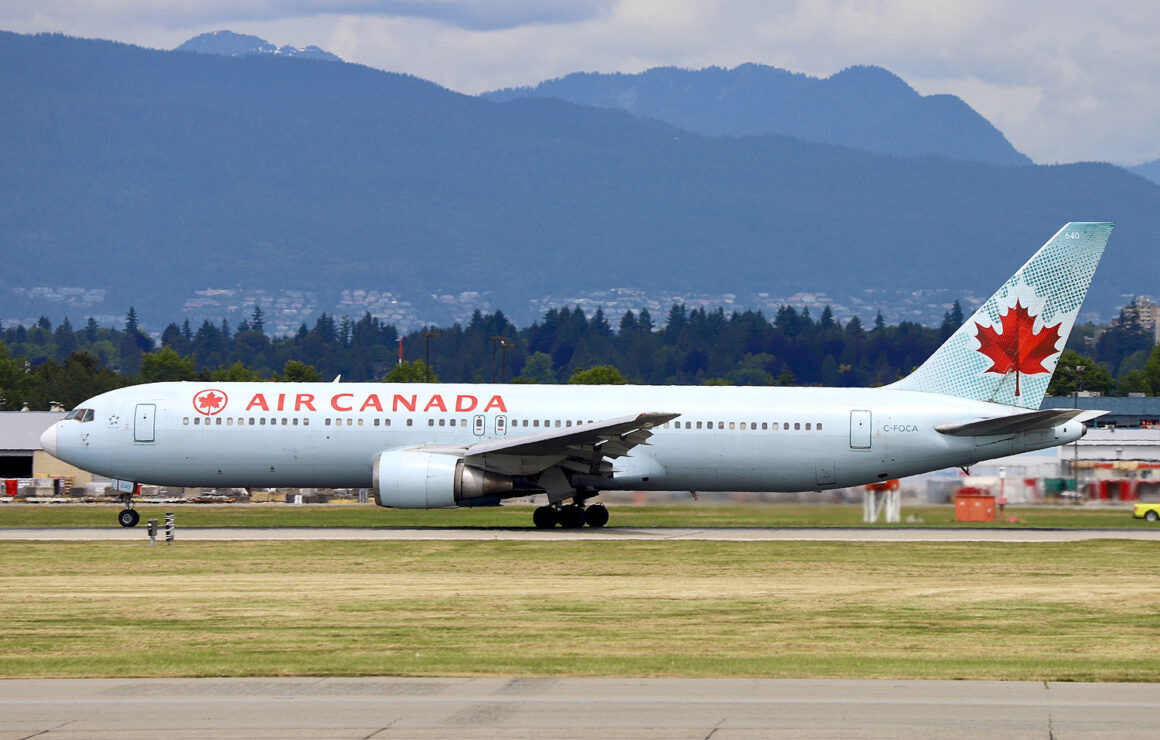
1024	422
585	448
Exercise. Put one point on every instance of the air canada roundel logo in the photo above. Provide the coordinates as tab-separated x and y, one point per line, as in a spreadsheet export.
209	402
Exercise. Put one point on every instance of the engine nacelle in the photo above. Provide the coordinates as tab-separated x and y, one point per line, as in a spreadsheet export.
408	479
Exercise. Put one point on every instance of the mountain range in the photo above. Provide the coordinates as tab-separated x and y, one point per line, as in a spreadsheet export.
861	107
153	173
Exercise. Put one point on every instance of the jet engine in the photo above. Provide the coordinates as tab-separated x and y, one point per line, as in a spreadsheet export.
412	479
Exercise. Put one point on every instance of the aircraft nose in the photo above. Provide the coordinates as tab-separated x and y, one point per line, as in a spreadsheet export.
48	440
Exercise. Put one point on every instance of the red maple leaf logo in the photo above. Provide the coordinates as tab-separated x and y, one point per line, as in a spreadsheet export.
209	402
1018	347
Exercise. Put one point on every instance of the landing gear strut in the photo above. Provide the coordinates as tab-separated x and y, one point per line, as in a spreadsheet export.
128	517
570	516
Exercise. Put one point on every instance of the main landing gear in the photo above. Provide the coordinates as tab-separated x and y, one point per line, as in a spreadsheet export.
128	517
570	516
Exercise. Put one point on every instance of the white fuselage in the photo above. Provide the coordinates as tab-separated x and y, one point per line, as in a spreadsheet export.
725	438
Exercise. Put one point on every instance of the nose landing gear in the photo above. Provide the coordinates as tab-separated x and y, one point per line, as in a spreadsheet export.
128	517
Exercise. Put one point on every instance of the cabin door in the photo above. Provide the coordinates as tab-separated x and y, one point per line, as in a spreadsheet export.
144	422
860	426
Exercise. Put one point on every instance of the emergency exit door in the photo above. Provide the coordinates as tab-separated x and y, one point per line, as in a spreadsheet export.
144	422
860	428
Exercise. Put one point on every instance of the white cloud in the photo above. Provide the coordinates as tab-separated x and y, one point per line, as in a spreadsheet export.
1064	81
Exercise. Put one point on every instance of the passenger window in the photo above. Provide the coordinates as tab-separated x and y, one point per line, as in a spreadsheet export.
377	422
230	422
185	421
295	421
765	425
285	421
536	423
430	422
262	421
410	422
819	426
807	426
306	421
721	425
568	423
386	422
219	421
698	425
360	421
325	421
442	422
797	425
731	425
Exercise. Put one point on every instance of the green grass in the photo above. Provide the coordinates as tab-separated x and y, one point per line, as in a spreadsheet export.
1053	611
665	515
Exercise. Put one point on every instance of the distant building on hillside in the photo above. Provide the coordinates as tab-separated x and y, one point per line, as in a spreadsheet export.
1145	313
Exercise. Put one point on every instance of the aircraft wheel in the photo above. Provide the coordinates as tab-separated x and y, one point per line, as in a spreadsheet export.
544	517
1152	516
128	518
596	515
572	516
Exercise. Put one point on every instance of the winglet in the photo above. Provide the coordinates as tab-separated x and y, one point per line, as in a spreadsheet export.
1007	351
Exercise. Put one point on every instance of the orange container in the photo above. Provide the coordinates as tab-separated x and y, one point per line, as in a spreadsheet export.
971	505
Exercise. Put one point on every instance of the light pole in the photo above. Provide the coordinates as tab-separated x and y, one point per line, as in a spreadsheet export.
427	335
1077	374
502	343
503	348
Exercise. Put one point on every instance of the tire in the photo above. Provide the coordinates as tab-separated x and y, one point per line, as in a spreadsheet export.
128	518
544	517
596	515
572	516
1152	515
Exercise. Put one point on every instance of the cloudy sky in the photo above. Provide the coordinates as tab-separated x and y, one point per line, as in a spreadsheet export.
1065	80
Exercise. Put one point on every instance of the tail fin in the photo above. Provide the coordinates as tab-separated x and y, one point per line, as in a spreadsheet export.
1007	351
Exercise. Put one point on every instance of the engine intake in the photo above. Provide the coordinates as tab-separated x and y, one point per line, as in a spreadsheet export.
406	479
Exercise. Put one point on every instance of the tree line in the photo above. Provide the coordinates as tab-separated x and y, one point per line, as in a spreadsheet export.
43	364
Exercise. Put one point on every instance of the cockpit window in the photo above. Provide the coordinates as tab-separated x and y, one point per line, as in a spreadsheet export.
81	415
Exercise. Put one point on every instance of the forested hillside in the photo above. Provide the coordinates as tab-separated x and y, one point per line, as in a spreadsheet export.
152	173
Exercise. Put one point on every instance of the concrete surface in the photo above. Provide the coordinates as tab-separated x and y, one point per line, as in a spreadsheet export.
579	708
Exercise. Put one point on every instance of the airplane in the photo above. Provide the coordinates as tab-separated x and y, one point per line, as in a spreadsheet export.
424	446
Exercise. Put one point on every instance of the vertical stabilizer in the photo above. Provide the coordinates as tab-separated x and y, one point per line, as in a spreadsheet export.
1007	351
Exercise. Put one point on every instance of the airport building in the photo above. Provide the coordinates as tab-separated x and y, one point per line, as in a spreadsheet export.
27	469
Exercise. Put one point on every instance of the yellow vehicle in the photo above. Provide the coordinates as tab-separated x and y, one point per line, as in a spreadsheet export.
1151	512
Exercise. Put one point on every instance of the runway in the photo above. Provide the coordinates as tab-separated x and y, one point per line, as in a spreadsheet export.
570	707
737	534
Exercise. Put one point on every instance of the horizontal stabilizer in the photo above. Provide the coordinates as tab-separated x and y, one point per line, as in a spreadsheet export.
1030	421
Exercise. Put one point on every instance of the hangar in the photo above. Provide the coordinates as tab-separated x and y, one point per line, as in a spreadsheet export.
20	453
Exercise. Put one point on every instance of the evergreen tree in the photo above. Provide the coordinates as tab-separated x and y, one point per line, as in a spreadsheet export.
66	339
257	322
